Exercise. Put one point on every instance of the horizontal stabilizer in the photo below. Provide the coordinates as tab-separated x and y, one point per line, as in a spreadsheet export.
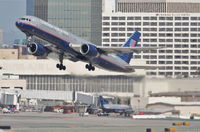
20	45
143	67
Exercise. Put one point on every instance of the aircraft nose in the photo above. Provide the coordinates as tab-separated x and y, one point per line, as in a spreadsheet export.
18	23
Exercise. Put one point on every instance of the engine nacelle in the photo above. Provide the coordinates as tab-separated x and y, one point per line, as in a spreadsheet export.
37	49
89	50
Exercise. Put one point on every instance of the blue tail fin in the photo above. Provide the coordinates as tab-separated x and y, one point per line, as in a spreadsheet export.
102	101
132	42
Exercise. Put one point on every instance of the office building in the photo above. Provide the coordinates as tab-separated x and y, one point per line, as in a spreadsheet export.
162	23
1	37
83	18
161	6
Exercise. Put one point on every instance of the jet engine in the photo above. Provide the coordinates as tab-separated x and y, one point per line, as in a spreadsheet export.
37	49
89	50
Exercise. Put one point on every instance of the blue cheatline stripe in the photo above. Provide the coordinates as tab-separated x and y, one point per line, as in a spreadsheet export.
45	31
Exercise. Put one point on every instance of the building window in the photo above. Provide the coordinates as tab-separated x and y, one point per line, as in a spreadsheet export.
153	18
105	40
106	34
121	40
5	87
106	23
137	18
121	29
161	18
114	34
161	24
138	23
106	18
114	18
106	29
169	18
193	18
18	88
177	24
185	18
145	23
153	24
193	29
145	18
122	18
114	29
194	24
121	34
122	23
130	29
130	18
130	23
185	24
114	23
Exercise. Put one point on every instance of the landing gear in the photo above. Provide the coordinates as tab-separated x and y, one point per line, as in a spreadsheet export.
29	39
89	67
61	66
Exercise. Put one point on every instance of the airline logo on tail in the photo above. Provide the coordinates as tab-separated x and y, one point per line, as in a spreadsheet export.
133	43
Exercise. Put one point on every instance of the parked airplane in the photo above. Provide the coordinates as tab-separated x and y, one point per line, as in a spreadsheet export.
74	48
108	107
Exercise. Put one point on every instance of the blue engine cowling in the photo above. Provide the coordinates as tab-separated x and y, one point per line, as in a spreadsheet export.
89	50
37	49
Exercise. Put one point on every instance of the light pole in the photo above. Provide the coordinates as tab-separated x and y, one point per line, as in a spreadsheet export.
138	104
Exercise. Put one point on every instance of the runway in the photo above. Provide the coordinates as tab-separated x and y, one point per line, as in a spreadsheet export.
51	122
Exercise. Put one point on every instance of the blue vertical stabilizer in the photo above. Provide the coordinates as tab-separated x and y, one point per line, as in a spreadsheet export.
102	101
132	42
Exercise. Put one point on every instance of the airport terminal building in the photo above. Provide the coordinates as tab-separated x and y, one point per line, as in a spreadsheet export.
39	79
163	23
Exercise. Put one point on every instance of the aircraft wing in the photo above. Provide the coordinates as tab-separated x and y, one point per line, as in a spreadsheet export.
125	49
118	50
20	45
142	67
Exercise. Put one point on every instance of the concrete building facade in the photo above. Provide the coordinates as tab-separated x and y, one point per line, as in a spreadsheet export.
175	29
42	75
185	109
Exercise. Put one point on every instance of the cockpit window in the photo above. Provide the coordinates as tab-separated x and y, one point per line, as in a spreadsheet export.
26	19
23	19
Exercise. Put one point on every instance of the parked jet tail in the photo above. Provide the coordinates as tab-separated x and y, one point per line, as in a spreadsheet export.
103	101
132	42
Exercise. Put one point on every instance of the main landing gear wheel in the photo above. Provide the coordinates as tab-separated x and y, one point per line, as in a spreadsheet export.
89	67
61	66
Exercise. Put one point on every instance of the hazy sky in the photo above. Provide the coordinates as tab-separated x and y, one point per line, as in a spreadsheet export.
10	11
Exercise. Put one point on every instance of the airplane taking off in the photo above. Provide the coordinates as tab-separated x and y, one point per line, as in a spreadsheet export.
114	108
69	46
